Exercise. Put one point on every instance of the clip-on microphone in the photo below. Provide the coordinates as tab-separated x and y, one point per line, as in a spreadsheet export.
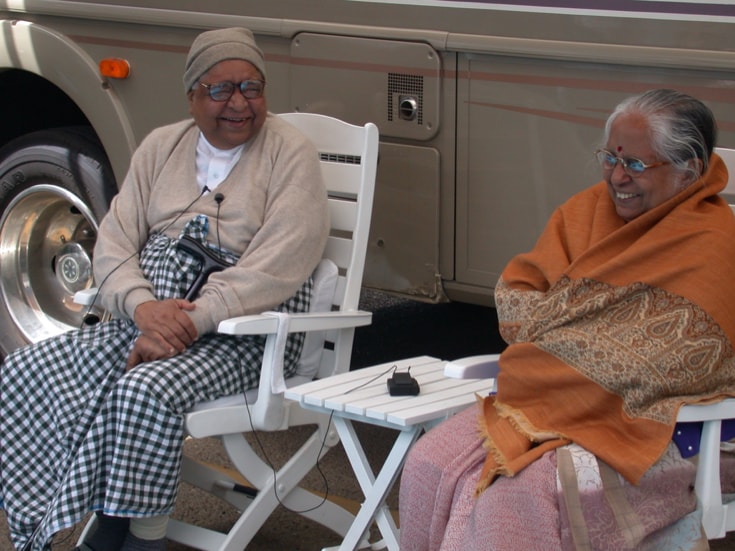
209	263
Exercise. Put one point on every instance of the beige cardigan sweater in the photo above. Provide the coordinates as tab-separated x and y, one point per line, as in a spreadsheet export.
274	215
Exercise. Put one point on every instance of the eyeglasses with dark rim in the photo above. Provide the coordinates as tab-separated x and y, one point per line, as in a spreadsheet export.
633	167
222	91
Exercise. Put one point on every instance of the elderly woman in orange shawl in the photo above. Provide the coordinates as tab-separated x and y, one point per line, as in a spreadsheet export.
623	312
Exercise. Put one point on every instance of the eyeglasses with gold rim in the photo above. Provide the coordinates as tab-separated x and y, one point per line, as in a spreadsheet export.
633	167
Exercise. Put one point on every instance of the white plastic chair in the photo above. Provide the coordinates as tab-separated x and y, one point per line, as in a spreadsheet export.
719	515
348	157
728	155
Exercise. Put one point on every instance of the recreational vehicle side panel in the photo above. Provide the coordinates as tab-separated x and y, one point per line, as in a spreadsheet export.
488	112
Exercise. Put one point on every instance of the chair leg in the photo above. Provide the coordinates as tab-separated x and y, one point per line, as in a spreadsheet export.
89	527
273	489
708	480
323	511
215	481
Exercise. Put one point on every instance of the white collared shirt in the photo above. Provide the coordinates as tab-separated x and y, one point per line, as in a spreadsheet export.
214	165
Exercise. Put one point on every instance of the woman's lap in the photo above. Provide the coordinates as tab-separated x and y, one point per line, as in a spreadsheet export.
440	512
441	462
67	406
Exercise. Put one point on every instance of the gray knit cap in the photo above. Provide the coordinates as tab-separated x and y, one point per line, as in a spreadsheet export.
211	47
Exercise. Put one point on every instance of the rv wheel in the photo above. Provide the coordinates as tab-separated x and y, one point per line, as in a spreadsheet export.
55	186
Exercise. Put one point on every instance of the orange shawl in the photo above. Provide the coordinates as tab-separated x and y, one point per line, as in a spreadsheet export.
612	326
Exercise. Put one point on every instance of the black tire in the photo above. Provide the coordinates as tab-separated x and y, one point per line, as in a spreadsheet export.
55	187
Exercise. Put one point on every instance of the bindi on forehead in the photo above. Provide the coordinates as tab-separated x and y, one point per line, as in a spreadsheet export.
619	149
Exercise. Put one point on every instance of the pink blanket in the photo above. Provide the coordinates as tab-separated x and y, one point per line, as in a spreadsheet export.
440	512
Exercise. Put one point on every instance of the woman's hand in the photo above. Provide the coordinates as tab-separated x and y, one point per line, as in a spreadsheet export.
166	323
147	349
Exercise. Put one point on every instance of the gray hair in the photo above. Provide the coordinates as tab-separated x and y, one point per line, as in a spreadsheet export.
682	127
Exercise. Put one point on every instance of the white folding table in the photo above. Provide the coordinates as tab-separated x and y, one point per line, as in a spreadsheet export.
362	395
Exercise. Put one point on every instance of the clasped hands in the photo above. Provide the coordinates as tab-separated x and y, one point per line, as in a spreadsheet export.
166	330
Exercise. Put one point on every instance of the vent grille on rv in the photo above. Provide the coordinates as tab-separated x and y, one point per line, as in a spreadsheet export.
406	85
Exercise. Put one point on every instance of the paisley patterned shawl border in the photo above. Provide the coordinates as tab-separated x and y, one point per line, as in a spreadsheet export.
644	344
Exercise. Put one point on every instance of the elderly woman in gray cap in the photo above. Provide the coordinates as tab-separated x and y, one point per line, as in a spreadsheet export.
92	419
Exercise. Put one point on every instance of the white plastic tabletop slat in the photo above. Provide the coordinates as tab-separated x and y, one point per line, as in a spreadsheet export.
346	384
360	394
377	384
316	392
433	386
377	390
366	394
427	412
382	409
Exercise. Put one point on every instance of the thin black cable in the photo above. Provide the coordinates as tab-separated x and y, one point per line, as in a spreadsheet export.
92	319
275	472
63	540
219	198
33	535
394	367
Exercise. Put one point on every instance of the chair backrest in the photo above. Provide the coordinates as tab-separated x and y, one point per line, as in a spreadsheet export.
718	514
349	157
728	155
323	290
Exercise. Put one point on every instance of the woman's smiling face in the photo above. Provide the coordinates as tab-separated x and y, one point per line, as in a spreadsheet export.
630	137
227	124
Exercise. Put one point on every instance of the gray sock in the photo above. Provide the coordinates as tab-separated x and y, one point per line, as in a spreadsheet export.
133	543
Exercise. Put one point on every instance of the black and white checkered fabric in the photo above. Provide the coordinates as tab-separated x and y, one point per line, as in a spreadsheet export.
78	433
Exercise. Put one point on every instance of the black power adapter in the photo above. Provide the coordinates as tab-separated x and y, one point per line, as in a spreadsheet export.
402	384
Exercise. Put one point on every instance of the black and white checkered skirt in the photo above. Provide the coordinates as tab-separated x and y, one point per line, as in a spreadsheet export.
78	433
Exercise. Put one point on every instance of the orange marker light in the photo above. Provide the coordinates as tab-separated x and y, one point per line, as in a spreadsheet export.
114	67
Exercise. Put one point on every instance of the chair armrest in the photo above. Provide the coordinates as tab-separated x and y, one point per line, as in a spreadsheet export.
267	323
85	297
473	367
268	411
707	412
